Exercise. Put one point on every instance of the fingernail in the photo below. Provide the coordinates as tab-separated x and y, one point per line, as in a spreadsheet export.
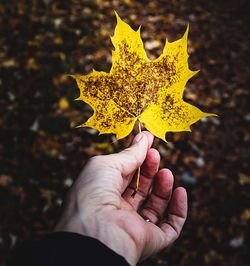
138	138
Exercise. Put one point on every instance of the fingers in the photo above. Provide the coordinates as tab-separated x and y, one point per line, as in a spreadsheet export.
128	160
176	216
169	231
159	199
148	171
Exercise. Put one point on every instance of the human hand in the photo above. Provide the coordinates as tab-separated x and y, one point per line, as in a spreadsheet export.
100	205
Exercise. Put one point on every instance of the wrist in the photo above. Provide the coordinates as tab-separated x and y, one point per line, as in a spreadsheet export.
105	230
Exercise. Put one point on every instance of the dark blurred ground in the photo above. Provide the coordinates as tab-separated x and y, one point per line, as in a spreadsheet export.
41	153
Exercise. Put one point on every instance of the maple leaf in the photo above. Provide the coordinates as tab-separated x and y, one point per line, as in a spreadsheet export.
137	88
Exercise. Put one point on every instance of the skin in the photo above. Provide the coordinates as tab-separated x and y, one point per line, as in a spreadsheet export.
99	204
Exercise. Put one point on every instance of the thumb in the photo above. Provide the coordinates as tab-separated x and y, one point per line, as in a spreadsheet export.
130	159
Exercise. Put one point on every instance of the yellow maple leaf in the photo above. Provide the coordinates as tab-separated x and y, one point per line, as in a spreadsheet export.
137	88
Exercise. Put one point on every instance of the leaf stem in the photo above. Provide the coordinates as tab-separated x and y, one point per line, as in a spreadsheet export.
138	170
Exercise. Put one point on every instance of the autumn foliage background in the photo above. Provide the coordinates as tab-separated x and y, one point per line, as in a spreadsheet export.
41	153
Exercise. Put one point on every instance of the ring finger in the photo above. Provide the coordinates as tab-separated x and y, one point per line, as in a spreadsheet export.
159	198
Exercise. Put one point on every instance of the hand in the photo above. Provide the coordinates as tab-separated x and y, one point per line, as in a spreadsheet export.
100	205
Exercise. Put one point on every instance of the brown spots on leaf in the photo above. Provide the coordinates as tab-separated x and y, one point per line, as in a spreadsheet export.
133	83
139	88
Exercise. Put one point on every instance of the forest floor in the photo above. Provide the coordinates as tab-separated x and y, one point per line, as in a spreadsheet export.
41	153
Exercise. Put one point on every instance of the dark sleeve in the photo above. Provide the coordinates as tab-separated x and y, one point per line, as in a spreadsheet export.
65	249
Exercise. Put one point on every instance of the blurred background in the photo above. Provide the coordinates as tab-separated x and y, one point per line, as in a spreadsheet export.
41	153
